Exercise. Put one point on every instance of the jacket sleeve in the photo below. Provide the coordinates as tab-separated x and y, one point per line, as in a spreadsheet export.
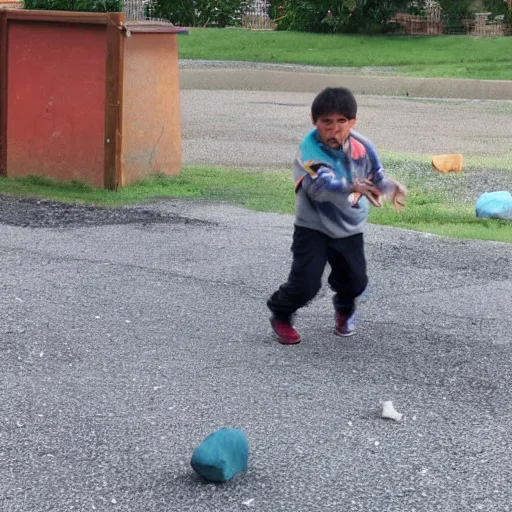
309	177
376	172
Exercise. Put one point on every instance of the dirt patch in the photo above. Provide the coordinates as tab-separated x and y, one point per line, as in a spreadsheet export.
40	213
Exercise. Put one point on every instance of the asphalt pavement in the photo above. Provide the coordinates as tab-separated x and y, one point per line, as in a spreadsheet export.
126	339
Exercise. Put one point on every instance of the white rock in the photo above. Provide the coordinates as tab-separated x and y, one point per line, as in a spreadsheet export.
389	412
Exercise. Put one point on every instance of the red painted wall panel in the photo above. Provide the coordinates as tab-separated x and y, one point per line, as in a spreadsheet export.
56	101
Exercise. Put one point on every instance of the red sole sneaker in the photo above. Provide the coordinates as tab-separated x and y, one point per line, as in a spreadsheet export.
286	334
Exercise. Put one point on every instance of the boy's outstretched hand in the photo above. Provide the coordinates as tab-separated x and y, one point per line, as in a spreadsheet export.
398	196
397	193
369	190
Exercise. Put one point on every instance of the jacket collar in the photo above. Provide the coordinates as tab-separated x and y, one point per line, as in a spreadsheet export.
333	153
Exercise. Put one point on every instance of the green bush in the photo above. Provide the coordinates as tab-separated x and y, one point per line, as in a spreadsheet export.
334	16
304	16
75	5
373	16
276	9
453	11
370	16
199	13
497	7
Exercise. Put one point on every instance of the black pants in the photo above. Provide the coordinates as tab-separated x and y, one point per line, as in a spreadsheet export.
311	251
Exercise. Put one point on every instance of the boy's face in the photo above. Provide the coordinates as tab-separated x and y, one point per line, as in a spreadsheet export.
333	129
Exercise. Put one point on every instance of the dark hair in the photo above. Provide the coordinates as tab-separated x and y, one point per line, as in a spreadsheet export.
334	100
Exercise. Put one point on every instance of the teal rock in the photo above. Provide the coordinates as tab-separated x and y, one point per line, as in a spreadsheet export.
222	455
495	205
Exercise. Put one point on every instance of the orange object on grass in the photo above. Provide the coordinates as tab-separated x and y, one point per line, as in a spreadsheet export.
447	163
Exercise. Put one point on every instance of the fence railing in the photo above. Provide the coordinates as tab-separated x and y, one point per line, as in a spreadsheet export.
134	10
255	16
10	4
481	25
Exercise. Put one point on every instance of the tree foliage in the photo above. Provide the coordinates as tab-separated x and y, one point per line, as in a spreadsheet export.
199	13
332	16
370	16
75	5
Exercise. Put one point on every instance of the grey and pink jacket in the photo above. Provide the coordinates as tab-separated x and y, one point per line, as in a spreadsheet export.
337	213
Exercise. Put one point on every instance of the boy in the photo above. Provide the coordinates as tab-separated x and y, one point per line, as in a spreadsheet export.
337	174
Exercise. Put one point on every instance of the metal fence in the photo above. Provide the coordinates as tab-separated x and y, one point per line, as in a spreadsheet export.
255	16
10	4
480	25
139	10
134	10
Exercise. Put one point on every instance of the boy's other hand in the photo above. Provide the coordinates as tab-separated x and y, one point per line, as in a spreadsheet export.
398	197
369	190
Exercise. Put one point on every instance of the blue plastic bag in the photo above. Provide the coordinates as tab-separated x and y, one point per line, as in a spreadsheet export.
496	205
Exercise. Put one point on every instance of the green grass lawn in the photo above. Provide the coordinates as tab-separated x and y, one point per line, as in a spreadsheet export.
436	56
428	208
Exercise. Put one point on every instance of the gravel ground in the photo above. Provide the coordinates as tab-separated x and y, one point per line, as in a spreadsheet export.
122	346
128	335
263	129
39	213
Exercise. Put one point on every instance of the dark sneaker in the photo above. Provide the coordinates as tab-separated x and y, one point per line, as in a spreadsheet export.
285	332
345	324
